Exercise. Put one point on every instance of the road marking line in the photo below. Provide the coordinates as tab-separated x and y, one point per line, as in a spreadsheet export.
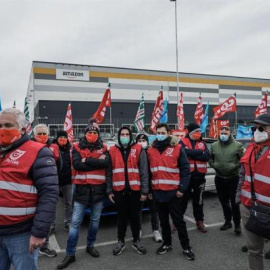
192	220
54	244
214	224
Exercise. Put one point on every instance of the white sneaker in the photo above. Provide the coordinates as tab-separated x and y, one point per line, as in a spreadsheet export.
157	236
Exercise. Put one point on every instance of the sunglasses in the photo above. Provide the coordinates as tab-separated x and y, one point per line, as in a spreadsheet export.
260	128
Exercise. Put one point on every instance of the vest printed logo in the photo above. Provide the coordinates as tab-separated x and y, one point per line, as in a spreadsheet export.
16	154
200	145
133	152
169	152
52	149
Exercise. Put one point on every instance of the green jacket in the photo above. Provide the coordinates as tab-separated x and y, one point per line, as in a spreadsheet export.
225	157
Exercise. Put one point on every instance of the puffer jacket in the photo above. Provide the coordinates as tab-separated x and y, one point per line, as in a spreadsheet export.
225	157
44	174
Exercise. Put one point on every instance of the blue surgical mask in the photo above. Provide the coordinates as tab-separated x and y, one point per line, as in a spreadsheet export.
161	137
223	137
124	140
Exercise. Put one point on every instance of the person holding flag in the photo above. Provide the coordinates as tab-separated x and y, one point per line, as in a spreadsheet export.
198	155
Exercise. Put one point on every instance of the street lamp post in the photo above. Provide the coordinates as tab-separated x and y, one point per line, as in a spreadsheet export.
176	45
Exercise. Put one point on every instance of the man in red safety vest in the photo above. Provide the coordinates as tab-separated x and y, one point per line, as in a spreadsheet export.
170	178
198	154
255	166
127	187
29	193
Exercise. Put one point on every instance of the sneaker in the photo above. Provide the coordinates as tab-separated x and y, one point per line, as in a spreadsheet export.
163	249
119	247
139	247
66	262
157	236
48	251
226	226
92	251
237	229
189	254
201	227
244	248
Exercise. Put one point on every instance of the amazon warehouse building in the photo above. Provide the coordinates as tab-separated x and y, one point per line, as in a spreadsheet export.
52	86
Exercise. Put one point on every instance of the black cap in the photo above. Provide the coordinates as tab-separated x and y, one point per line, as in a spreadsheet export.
61	133
92	125
263	119
192	127
143	136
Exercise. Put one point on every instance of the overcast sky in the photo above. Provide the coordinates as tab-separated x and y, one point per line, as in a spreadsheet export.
224	37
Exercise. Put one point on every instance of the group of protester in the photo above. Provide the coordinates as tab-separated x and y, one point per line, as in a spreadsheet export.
165	173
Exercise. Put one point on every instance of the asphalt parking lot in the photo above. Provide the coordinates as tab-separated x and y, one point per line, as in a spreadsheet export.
215	250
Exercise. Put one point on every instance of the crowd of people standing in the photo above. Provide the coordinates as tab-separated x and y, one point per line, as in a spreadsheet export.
165	173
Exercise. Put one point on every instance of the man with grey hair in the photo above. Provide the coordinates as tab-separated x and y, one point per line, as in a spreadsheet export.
29	193
41	135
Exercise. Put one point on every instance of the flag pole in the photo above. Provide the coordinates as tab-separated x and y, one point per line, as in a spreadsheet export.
235	115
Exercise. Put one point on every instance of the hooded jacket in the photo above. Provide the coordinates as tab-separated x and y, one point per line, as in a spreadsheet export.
143	165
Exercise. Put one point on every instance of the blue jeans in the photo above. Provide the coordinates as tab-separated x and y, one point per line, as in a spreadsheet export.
76	221
14	249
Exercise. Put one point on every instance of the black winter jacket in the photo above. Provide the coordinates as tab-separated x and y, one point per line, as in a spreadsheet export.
87	194
44	174
65	173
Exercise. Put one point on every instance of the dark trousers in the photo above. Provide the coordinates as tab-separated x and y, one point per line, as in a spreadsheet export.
128	206
173	208
226	191
195	189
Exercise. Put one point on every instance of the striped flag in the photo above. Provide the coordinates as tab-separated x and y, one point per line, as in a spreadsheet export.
139	120
106	102
180	113
29	130
68	124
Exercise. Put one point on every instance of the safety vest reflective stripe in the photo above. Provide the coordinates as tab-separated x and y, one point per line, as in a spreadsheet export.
201	165
191	165
89	176
121	170
258	196
118	183
11	211
247	178
165	181
17	187
164	169
130	170
258	177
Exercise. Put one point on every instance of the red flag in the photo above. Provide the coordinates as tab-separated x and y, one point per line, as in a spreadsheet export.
68	124
228	105
106	102
213	129
199	112
157	112
262	108
180	113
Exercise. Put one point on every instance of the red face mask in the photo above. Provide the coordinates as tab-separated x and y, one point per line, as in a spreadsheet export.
62	141
91	138
9	136
196	135
41	138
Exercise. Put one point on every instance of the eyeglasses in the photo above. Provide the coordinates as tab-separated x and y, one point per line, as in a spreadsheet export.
42	133
260	128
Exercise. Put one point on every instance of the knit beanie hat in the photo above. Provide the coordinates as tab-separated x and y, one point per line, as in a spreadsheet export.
192	127
92	125
61	133
141	136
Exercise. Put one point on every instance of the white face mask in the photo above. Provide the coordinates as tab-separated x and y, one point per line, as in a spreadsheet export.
260	136
143	144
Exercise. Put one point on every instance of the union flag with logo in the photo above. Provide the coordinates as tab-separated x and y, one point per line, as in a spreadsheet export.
180	113
156	114
199	112
229	105
262	108
68	127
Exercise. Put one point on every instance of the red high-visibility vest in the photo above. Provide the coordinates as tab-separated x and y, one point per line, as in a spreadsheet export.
164	168
261	177
96	177
201	165
18	194
118	168
55	149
